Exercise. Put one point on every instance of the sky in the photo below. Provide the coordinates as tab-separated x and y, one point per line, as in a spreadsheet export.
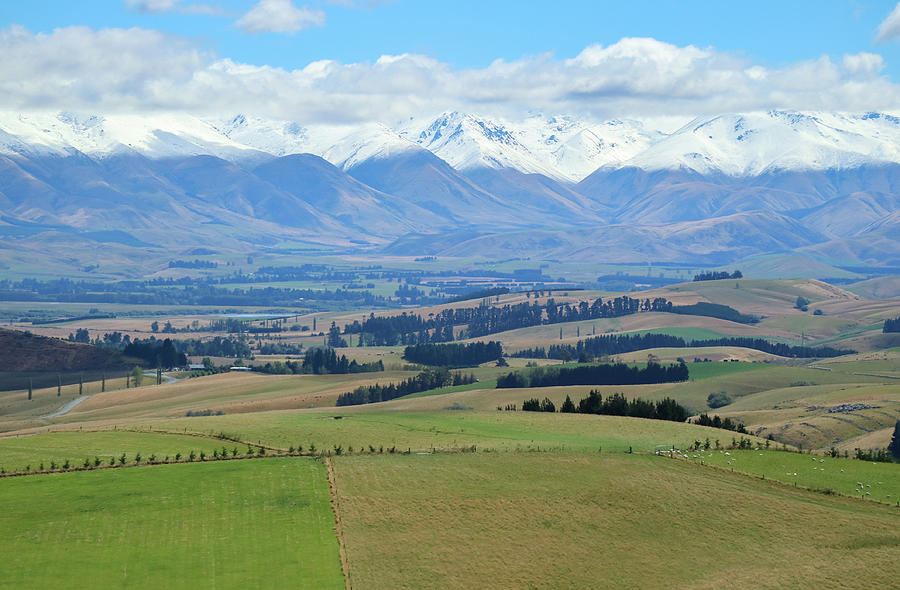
346	61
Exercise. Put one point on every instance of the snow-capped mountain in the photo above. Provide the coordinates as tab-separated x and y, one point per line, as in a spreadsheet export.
154	135
759	143
554	185
562	148
558	147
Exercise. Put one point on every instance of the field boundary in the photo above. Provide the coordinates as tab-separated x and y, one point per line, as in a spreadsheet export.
338	525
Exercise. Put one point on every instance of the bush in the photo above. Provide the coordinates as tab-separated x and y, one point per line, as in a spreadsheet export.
718	399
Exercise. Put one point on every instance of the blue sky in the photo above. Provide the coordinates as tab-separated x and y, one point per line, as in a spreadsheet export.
777	38
469	33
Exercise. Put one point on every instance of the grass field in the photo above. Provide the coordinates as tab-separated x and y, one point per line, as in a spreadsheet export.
442	490
881	481
390	426
18	452
234	524
588	520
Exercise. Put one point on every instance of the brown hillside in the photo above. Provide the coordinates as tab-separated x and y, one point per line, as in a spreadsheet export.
21	351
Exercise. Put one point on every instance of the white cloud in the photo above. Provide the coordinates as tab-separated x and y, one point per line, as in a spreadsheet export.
136	70
889	29
158	6
280	16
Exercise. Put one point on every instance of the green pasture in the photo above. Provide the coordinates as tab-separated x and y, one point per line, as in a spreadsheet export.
880	481
594	520
17	452
687	332
230	524
378	426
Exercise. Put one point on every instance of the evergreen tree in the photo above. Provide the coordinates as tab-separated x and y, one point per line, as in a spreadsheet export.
58	385
894	447
568	407
30	388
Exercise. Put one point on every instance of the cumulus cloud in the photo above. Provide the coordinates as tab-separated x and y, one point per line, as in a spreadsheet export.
889	29
158	6
117	70
280	16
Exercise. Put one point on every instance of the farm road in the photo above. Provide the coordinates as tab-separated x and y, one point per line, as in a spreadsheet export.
71	405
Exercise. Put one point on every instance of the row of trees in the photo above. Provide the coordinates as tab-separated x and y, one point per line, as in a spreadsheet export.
718	276
608	374
614	405
454	355
717	422
410	329
319	361
891	326
621	343
424	381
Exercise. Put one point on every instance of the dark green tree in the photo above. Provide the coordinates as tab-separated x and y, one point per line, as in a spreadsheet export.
894	447
568	406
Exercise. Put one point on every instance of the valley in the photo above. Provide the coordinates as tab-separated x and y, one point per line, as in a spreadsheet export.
444	487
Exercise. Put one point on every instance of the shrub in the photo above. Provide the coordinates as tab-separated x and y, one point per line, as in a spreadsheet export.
718	399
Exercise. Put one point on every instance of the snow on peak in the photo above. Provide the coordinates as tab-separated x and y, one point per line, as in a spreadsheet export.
756	143
562	147
153	135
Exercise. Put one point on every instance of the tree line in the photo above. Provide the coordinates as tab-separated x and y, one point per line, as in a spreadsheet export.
424	381
614	405
454	356
607	374
160	353
891	326
610	344
718	275
320	361
410	329
717	422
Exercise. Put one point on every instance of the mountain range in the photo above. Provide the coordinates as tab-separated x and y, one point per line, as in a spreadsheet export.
716	190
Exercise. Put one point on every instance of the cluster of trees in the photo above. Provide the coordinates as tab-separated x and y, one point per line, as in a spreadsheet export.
536	405
280	348
192	264
409	329
717	276
614	374
875	455
621	343
717	422
718	399
428	379
158	353
334	337
614	405
891	326
191	292
480	294
320	361
147	349
454	355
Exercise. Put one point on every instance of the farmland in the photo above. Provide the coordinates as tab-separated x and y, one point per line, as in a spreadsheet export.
220	524
451	486
577	520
